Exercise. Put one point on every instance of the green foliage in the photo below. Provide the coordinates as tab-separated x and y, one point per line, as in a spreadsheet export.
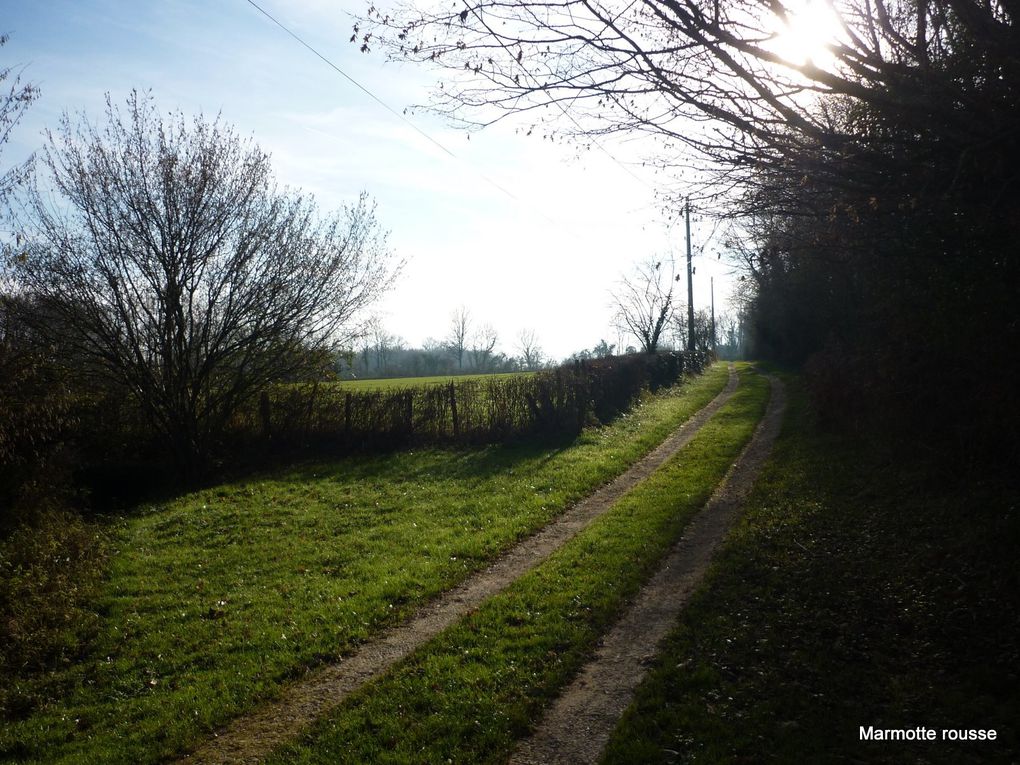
216	600
50	572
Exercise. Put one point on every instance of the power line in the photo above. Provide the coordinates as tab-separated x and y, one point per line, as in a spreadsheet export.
393	111
350	79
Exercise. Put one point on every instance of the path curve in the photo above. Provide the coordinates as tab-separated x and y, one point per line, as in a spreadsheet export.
577	727
251	737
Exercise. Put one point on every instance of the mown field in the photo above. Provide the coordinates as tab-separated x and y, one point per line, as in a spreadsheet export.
214	601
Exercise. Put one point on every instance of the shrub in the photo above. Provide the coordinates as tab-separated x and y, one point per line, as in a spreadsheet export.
49	573
37	416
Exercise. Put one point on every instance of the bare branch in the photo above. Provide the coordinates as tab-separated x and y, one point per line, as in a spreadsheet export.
176	265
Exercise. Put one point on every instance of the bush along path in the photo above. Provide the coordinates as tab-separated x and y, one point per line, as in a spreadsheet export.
473	691
250	738
578	725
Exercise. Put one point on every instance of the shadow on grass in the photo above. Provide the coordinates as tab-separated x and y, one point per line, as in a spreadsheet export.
123	489
454	462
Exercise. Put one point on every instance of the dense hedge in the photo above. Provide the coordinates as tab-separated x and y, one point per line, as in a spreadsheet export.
559	401
109	455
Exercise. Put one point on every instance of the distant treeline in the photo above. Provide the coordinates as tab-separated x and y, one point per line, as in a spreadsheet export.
389	356
381	354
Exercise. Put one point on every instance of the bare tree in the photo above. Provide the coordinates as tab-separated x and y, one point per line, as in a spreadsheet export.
677	327
432	346
899	146
13	104
482	345
702	330
180	270
714	76
386	345
460	325
644	303
434	355
377	346
531	352
731	331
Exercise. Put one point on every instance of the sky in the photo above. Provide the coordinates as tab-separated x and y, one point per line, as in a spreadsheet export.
524	233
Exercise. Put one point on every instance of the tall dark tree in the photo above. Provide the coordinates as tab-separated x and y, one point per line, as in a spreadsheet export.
175	266
876	186
33	410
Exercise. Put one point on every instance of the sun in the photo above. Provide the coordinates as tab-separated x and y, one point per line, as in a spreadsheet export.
807	34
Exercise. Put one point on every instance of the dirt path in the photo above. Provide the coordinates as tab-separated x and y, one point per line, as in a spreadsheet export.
250	738
576	728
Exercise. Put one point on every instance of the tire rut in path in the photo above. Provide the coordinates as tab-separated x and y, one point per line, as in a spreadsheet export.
577	727
250	738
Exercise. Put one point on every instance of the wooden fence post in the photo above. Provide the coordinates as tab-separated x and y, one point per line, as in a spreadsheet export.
311	409
265	415
453	410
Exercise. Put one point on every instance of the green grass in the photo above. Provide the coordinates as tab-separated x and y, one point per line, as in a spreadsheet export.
413	382
470	693
860	589
216	600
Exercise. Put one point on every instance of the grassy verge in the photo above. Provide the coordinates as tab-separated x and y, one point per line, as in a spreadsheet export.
858	590
469	694
215	600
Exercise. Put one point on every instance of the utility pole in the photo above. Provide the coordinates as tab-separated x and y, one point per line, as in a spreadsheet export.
690	284
711	281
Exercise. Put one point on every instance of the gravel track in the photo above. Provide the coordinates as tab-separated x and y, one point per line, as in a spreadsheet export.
577	726
250	738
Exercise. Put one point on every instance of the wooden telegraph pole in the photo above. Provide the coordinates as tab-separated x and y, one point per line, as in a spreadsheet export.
711	281
690	284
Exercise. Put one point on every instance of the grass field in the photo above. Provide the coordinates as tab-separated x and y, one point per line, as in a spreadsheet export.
861	589
411	382
471	692
215	600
